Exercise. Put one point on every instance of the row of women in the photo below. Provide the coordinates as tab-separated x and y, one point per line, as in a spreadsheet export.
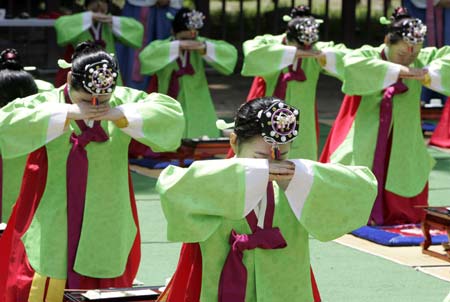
244	221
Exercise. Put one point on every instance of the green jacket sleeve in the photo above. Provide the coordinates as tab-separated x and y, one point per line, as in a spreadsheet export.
365	72
331	200
334	55
68	28
30	123
153	119
221	55
437	61
195	200
128	31
265	55
43	85
158	54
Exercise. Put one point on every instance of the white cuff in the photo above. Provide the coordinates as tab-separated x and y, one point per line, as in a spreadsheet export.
87	20
116	26
57	122
210	55
288	56
176	3
392	74
134	118
256	179
300	185
174	51
435	77
330	64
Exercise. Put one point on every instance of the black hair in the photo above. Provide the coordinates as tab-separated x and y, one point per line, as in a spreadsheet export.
87	53
14	81
180	20
10	59
395	29
246	122
87	2
300	11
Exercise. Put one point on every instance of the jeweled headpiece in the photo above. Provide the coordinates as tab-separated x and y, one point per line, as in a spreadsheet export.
194	20
100	77
279	123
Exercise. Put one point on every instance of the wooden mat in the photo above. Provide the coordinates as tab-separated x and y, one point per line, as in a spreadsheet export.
409	255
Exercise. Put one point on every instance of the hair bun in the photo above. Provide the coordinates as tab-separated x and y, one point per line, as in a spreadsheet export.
301	11
400	13
10	59
86	48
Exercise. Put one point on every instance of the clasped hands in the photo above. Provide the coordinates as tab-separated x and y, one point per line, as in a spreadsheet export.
87	111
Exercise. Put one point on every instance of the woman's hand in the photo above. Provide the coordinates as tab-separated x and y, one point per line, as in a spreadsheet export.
413	73
308	53
102	18
281	170
86	111
192	45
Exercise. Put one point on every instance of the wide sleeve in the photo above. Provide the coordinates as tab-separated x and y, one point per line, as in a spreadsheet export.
43	85
437	61
68	28
333	63
365	72
128	31
158	55
30	123
331	200
221	55
265	55
195	200
155	120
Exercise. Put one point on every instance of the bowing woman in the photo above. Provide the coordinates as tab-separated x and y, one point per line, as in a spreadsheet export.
252	214
288	66
75	224
379	124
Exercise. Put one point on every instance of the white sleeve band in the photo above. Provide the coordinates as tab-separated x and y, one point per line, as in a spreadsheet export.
298	190
176	3
330	64
391	75
435	77
134	118
288	56
142	3
57	121
256	179
116	26
210	55
87	20
174	51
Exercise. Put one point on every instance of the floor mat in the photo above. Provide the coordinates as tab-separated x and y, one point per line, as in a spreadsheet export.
399	235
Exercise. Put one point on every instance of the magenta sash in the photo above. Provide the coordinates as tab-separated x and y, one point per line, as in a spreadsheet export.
233	279
188	69
77	174
381	150
292	75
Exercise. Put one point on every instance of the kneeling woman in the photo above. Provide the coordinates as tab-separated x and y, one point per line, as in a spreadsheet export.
252	214
75	224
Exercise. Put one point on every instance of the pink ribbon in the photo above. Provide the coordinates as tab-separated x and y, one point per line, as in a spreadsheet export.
188	69
233	279
292	75
77	174
381	150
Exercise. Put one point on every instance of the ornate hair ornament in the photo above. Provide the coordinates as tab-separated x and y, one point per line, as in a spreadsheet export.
194	19
100	77
413	31
306	30
279	123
